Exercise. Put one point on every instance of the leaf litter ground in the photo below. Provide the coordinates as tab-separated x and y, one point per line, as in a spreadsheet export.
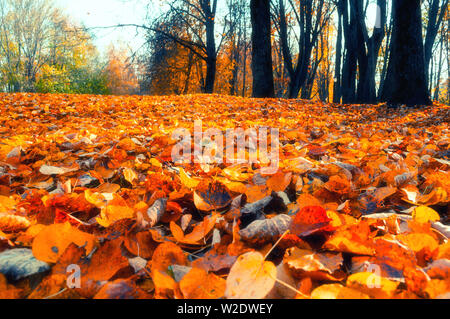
92	205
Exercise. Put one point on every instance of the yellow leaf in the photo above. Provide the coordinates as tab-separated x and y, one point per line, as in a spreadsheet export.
372	284
424	214
96	199
6	204
155	163
113	213
188	181
337	291
251	277
129	175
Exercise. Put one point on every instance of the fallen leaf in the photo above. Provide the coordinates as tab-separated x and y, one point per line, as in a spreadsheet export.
188	181
121	289
373	285
337	291
318	266
198	284
130	175
199	232
51	241
279	181
156	211
211	196
53	170
424	214
267	230
251	277
13	223
311	220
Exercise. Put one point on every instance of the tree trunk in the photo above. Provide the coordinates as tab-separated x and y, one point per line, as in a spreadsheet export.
244	70
188	72
385	59
406	79
211	57
438	77
448	63
337	73
367	60
263	83
350	60
434	22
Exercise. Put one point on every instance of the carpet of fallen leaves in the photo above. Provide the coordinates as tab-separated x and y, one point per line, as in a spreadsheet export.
359	207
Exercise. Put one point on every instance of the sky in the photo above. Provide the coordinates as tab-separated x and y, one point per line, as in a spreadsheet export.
102	13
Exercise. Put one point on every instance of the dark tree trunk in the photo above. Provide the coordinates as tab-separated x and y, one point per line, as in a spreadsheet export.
211	57
406	80
385	59
439	72
367	60
337	94
210	75
348	85
188	72
244	70
448	63
233	80
263	84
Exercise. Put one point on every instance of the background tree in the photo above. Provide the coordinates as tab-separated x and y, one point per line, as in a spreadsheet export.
436	12
357	83
121	76
42	50
238	41
199	17
263	83
170	68
24	26
311	17
406	78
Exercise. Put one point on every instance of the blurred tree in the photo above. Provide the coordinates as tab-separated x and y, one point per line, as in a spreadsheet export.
120	74
310	17
406	76
41	50
263	83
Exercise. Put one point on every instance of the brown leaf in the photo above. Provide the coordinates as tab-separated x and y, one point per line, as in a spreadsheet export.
318	266
267	230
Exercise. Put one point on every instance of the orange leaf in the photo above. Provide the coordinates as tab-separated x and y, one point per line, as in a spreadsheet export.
52	241
310	220
198	284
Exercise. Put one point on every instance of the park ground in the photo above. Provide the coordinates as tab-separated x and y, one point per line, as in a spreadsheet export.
358	208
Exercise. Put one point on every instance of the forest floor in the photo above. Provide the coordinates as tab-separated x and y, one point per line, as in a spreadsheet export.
92	204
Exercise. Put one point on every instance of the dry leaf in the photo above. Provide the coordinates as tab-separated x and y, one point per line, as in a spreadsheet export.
12	223
262	231
53	240
198	284
251	277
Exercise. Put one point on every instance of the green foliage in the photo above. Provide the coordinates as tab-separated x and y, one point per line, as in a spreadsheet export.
79	81
67	61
